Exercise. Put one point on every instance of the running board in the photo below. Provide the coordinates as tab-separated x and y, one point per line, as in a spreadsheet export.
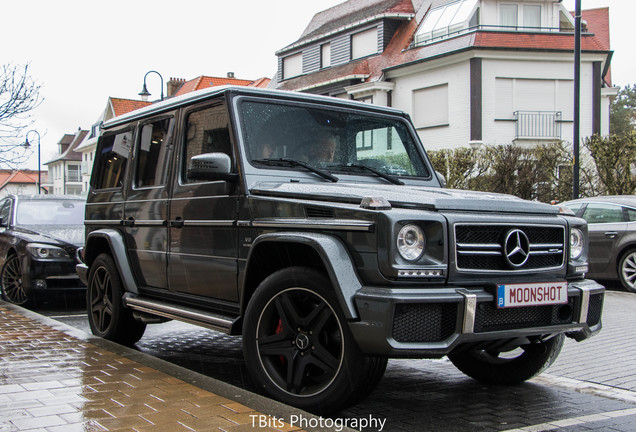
180	313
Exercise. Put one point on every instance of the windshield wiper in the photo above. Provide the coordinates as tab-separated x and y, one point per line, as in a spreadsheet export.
385	176
294	162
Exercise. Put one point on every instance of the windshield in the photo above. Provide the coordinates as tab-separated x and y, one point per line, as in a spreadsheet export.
335	141
50	212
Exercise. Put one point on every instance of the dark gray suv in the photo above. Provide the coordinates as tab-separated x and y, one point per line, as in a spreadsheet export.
318	230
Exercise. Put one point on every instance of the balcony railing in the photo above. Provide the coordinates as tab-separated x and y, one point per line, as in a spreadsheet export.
450	32
538	124
73	176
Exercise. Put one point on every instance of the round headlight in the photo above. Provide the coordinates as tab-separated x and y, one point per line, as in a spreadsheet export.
576	243
411	242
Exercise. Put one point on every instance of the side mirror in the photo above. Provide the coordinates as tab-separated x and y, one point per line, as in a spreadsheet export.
211	166
441	178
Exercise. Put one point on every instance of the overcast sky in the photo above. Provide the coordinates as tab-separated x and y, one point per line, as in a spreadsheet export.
83	51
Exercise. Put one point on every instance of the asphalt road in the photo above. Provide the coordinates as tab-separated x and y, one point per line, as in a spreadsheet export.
591	386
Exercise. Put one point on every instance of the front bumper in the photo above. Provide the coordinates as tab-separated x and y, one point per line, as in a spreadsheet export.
432	322
51	275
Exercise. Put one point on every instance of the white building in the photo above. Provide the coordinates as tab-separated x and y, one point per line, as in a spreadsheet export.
468	72
64	169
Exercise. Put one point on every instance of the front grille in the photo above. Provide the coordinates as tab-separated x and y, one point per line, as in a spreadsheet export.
424	322
481	247
489	318
595	309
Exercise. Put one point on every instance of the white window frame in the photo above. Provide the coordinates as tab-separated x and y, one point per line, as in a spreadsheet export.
293	66
364	43
325	55
521	16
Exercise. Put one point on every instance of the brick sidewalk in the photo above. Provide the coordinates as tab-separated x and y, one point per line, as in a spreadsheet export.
52	380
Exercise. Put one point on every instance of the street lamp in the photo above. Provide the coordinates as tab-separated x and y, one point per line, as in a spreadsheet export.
27	145
144	91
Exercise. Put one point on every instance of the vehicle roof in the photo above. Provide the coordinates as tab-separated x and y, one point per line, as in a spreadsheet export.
199	95
47	197
629	200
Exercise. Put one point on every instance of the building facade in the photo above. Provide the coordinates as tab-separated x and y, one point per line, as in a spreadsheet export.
65	169
469	72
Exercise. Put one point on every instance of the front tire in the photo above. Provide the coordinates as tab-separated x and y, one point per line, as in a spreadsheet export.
107	316
627	270
298	347
13	289
495	367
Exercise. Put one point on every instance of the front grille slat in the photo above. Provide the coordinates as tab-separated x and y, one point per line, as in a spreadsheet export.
489	318
479	247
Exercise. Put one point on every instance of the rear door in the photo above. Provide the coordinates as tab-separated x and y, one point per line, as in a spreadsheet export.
146	210
202	224
606	227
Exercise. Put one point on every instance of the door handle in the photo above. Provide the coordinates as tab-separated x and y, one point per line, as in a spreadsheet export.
611	234
177	223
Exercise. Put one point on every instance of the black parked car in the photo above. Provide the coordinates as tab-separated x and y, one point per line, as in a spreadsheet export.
612	233
39	238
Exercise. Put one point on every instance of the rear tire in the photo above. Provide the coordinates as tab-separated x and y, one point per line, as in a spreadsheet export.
494	367
107	316
298	347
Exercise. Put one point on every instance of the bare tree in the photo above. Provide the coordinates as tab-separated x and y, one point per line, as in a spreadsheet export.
19	95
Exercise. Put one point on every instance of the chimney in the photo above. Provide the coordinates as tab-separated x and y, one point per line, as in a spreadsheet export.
173	85
230	74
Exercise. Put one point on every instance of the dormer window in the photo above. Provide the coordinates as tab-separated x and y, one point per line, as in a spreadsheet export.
325	55
448	19
364	43
526	16
292	66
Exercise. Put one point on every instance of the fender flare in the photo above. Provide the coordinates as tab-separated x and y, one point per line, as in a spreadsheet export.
118	250
335	257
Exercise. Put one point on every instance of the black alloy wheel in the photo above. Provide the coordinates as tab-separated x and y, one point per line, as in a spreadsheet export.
298	347
107	316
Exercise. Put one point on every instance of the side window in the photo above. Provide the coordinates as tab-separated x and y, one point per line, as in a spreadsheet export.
151	153
5	212
603	213
206	131
110	164
631	214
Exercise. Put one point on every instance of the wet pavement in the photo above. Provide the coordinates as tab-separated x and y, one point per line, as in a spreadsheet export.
592	385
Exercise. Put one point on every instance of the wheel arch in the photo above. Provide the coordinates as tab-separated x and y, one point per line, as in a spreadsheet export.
272	252
110	241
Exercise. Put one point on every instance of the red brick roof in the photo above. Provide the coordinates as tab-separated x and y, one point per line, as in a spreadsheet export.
540	41
123	106
598	23
14	176
207	81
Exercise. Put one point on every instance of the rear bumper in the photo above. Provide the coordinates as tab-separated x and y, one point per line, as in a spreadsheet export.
432	322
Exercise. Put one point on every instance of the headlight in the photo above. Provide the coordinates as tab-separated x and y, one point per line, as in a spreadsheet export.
46	251
576	243
411	242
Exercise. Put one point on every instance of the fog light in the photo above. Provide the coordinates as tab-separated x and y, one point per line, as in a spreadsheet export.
40	284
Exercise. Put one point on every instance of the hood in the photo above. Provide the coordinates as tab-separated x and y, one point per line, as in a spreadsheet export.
60	234
407	196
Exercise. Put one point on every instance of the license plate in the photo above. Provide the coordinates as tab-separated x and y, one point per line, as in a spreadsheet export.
534	294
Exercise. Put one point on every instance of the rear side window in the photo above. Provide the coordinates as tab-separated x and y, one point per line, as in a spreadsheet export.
603	213
151	153
110	165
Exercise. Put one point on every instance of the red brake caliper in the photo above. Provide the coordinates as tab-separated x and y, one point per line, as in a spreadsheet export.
279	330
